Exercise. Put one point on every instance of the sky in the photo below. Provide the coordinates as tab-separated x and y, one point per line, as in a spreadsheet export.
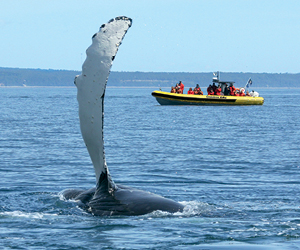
166	35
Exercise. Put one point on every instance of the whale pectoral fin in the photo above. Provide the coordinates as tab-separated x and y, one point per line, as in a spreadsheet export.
91	86
107	198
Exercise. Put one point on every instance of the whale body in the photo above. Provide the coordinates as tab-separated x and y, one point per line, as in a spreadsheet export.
107	198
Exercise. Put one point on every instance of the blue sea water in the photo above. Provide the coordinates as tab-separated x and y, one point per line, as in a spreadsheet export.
236	169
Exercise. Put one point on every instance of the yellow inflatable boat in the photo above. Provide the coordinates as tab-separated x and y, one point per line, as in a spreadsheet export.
165	98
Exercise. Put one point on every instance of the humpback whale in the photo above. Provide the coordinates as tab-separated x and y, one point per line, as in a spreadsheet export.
107	198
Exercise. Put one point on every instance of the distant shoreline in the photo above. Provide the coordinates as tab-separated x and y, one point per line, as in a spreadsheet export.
65	78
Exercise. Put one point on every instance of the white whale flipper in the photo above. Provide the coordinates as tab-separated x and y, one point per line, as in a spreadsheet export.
107	198
91	86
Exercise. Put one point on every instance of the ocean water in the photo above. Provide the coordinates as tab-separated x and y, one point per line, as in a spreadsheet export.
236	169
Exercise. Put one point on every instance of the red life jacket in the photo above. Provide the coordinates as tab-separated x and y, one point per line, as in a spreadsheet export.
208	90
214	87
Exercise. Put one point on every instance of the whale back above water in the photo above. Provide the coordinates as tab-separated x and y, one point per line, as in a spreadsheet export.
107	198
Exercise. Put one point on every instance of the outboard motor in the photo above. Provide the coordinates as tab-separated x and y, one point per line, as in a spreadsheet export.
254	93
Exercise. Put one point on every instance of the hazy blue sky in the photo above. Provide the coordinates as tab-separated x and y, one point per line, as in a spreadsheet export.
166	35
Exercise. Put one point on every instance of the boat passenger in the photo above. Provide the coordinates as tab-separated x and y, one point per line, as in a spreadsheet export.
209	88
181	86
179	91
211	92
232	89
173	90
237	92
247	93
190	92
226	90
242	93
177	88
214	87
218	90
198	91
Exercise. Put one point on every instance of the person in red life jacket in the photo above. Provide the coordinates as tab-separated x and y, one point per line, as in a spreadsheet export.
247	93
211	92
179	91
237	92
214	87
177	88
218	91
190	92
209	88
181	86
196	92
173	90
196	89
242	93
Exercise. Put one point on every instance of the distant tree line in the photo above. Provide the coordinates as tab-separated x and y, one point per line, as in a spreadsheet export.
36	77
42	77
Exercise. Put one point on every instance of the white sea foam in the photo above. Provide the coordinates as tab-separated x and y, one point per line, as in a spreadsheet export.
60	196
191	208
34	215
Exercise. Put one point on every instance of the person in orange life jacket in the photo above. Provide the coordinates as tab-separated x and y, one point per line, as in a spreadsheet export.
190	92
232	89
181	86
218	91
209	88
173	90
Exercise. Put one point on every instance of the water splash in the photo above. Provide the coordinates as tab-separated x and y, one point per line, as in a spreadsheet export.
34	215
